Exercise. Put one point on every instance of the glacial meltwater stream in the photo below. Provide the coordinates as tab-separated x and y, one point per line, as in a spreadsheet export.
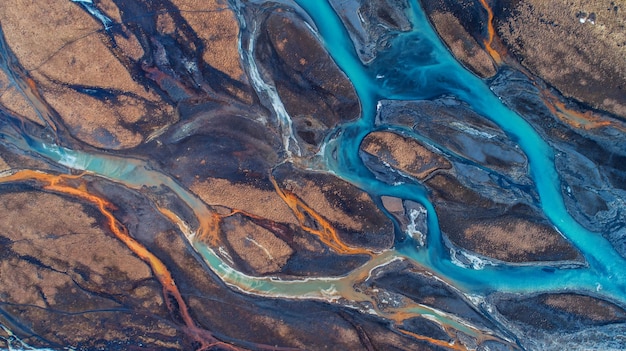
417	66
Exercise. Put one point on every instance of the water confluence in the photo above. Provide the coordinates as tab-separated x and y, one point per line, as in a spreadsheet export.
432	73
429	74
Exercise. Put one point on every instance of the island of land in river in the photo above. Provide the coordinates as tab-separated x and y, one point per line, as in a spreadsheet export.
250	175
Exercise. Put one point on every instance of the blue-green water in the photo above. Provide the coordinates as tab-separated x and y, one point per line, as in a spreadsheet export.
419	66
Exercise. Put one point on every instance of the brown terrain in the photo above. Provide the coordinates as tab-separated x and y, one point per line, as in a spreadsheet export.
315	92
470	220
585	306
579	47
462	44
351	214
111	107
474	212
257	246
564	311
89	261
514	239
95	281
60	265
508	233
403	153
14	101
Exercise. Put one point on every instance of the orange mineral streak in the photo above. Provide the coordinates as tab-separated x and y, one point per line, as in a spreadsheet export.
170	215
492	34
208	228
29	89
581	120
449	345
56	183
327	233
243	213
403	314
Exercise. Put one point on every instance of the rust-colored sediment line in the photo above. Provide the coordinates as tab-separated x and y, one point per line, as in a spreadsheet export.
25	84
327	233
208	225
172	296
581	120
56	183
28	87
402	314
449	345
491	34
455	344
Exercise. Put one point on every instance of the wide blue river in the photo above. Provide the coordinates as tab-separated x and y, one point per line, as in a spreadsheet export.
422	69
426	69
